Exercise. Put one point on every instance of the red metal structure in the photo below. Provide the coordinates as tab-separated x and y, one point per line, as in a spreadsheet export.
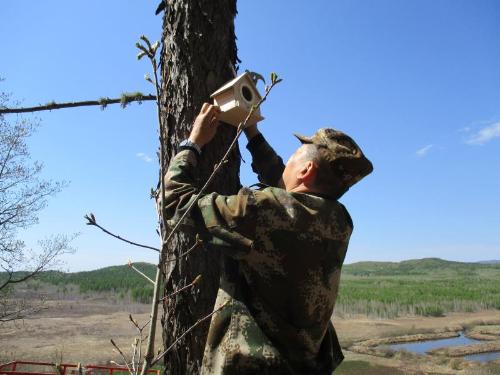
37	368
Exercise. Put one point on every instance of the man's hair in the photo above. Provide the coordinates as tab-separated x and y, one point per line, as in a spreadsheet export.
325	180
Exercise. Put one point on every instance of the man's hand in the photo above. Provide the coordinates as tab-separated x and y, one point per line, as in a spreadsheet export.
205	125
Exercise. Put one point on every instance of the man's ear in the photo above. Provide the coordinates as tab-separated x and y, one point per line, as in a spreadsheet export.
307	173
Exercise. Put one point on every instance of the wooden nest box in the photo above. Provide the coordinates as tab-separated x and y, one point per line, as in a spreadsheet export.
235	100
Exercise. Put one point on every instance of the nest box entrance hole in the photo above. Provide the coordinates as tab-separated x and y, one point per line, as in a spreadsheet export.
247	94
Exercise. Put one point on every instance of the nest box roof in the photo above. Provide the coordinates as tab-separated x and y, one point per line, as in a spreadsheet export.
244	77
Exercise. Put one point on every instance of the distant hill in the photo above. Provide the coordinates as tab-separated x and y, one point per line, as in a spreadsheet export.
118	279
108	278
493	261
425	266
123	278
429	286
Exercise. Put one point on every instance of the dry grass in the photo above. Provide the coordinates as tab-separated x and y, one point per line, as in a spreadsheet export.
484	332
460	351
360	328
74	331
79	331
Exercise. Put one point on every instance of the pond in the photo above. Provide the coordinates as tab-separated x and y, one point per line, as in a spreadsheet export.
422	347
483	357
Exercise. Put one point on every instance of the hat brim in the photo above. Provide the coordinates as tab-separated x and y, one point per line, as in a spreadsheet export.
303	139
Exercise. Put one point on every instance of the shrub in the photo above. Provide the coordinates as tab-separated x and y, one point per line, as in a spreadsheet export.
456	364
430	310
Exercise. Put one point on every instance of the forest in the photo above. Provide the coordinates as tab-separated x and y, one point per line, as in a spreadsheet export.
425	287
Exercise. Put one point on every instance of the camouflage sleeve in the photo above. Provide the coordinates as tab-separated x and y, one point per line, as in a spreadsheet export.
228	221
265	162
180	184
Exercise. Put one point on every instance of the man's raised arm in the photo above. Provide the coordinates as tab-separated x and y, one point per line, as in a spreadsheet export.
230	220
265	162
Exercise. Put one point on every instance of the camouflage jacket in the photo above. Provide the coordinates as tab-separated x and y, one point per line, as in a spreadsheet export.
289	249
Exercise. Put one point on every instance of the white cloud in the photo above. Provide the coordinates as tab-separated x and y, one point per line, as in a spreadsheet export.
485	134
424	151
144	157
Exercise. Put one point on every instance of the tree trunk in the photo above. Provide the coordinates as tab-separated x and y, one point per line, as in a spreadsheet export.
199	55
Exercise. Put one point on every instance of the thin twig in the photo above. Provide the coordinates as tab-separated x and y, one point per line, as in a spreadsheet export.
134	352
196	280
131	265
123	355
134	322
124	100
182	255
120	365
139	360
241	126
156	292
160	356
137	346
92	221
31	274
145	324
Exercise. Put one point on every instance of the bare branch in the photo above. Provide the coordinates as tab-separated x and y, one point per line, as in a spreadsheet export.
131	265
133	366
122	355
196	280
91	220
11	310
124	100
134	353
9	278
51	248
134	322
145	324
29	275
223	160
198	242
156	292
160	356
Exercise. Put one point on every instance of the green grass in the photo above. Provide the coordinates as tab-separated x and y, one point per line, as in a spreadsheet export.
363	367
427	287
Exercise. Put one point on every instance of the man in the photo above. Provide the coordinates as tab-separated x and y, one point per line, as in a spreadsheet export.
284	247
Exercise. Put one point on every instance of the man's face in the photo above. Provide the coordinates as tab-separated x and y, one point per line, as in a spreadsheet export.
295	164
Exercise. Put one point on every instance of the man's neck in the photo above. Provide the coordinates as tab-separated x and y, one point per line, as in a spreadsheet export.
310	190
301	188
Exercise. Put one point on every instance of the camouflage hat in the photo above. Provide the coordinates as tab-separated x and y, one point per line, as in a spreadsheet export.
342	154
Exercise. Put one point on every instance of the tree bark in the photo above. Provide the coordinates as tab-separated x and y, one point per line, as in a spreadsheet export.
199	55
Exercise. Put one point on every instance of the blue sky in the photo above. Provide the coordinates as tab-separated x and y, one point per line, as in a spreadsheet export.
415	83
